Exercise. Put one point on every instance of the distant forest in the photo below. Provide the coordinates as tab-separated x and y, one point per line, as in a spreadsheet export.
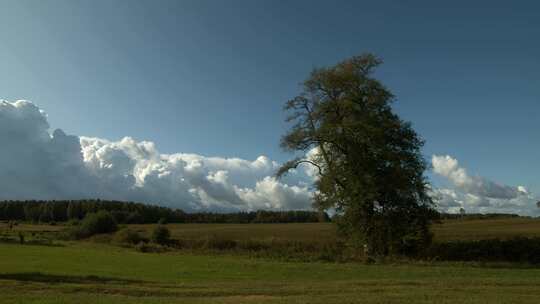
138	213
477	216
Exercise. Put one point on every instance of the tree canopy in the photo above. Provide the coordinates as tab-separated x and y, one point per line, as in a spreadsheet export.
369	163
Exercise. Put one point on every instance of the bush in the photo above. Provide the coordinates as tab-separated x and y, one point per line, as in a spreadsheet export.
128	236
143	247
519	249
161	235
215	243
162	221
100	222
73	222
93	223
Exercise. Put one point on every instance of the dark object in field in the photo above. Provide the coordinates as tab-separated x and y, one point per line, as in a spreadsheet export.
519	249
129	236
161	235
94	223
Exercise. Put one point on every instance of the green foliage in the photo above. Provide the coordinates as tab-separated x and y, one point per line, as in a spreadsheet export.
161	235
99	222
62	211
138	213
74	211
150	248
94	223
73	222
128	236
518	249
369	160
21	237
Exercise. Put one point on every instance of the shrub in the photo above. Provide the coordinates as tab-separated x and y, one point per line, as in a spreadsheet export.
100	222
162	221
253	245
519	249
93	223
161	235
215	243
128	236
72	233
73	222
144	247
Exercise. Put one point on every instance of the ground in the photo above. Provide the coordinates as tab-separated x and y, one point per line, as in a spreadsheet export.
85	272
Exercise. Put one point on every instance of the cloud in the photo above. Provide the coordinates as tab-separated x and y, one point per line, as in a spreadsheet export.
34	163
478	194
448	167
38	165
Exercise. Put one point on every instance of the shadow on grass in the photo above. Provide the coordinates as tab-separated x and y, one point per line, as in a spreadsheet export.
136	288
48	243
54	278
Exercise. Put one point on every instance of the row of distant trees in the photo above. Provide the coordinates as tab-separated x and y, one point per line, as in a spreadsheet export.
138	213
475	216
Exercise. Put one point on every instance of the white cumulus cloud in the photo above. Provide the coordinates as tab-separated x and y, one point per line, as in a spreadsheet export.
478	194
36	164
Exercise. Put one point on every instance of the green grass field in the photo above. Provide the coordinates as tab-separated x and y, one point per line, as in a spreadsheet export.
86	272
90	273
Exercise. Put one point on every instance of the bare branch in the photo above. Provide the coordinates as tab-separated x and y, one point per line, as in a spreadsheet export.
293	164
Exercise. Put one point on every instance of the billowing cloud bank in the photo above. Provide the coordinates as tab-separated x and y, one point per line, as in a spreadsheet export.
37	165
478	194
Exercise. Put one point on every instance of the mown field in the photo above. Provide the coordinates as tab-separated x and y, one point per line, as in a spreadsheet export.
93	273
87	272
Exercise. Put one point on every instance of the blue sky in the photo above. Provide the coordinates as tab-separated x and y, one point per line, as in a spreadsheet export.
210	77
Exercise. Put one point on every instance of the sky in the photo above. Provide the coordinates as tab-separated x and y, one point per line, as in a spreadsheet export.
209	79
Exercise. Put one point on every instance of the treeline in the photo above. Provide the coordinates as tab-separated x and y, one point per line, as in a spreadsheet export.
476	216
260	216
62	211
138	213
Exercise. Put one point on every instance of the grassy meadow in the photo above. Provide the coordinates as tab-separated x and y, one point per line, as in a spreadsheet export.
93	272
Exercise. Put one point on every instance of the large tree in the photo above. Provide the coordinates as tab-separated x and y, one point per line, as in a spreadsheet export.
369	164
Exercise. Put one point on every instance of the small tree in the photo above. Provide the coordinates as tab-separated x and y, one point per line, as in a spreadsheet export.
96	223
128	236
370	169
161	235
